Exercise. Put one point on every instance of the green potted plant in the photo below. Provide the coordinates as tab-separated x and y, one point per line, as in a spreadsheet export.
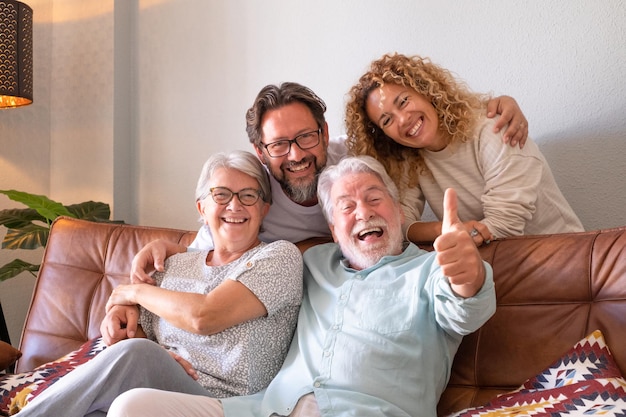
28	228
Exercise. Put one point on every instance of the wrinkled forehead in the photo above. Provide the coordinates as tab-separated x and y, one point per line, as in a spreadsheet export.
356	184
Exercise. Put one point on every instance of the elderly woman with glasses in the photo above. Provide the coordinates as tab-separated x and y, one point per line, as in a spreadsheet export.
218	323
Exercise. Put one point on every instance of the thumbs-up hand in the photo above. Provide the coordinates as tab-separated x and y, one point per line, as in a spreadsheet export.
450	211
456	251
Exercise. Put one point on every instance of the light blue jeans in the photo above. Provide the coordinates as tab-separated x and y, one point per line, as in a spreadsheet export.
90	389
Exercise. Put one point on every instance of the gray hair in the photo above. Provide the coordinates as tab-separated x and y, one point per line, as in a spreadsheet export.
346	166
243	161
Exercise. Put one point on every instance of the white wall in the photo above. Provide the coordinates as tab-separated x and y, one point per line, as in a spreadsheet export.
131	96
81	84
201	63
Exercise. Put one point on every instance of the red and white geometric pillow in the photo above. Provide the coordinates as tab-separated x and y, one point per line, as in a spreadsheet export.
584	382
17	389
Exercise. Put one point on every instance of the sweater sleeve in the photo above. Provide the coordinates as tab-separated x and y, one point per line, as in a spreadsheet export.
412	201
512	178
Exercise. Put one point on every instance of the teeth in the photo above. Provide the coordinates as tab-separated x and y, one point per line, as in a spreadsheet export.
416	127
234	220
298	167
371	230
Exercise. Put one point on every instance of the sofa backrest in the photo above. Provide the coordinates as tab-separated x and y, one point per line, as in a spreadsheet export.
82	263
552	291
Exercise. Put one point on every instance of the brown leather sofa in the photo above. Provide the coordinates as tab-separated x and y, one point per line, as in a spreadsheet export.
552	291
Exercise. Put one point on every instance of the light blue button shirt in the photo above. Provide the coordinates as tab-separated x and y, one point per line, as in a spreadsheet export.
374	342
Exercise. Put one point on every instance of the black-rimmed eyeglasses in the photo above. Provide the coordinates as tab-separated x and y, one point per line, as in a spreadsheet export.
223	195
306	140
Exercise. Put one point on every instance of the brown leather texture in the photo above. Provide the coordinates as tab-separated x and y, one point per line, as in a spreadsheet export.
552	291
83	261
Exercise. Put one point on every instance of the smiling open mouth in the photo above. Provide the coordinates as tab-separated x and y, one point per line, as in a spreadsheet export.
299	166
236	221
375	231
416	127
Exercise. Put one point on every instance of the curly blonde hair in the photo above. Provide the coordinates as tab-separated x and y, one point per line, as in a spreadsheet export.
458	108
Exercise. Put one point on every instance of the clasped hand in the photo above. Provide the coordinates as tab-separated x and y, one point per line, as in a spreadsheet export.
122	315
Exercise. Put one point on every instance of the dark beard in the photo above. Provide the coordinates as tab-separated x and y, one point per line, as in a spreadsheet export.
300	193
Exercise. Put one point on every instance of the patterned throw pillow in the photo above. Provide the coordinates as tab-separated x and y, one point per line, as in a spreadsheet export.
16	390
585	381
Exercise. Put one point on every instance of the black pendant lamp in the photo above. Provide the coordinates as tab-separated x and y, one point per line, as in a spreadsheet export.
16	54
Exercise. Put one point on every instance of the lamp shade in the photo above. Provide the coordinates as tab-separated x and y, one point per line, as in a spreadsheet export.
16	54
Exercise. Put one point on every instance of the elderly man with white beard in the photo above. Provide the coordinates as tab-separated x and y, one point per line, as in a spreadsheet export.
381	319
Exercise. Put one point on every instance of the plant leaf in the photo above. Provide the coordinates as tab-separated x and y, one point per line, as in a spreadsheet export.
90	210
30	236
17	218
48	208
16	267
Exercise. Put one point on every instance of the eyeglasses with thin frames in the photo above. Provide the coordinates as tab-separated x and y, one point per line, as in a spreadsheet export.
223	195
306	140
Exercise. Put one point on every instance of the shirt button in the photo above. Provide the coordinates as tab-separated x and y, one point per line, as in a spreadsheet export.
326	353
335	327
249	264
317	385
